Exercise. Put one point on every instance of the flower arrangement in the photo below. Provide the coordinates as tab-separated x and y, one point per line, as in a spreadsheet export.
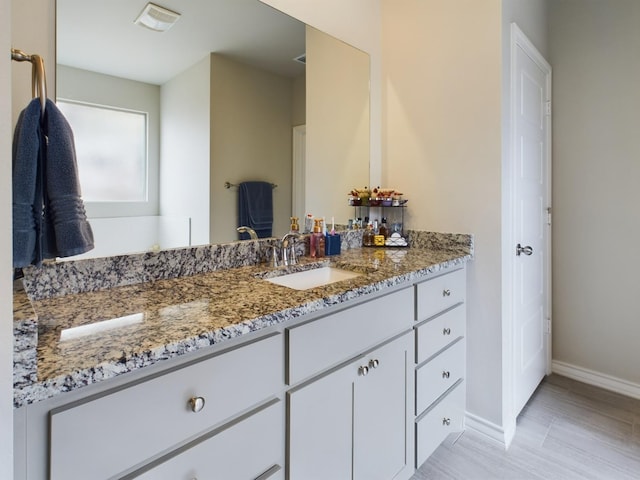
375	197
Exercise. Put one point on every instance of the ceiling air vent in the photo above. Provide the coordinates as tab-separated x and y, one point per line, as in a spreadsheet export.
157	18
301	59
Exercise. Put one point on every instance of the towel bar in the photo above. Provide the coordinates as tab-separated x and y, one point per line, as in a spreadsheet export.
229	185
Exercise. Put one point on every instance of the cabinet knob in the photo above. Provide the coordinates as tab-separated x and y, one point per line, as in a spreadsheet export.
446	422
196	404
446	293
374	363
446	331
446	374
363	370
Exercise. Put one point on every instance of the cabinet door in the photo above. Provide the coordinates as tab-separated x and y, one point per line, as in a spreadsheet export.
319	440
380	413
346	425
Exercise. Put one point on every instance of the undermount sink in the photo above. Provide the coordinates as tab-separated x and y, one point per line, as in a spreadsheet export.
316	277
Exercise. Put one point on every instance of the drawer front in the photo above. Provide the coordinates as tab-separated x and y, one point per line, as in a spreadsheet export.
439	374
107	435
317	345
440	331
250	450
446	417
440	293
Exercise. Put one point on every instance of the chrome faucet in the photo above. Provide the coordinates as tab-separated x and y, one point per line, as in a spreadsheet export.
250	231
289	249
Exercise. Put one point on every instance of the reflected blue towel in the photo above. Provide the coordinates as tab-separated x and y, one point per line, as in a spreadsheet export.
49	218
255	208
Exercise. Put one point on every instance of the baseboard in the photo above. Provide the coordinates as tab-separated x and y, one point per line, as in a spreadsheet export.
597	379
489	429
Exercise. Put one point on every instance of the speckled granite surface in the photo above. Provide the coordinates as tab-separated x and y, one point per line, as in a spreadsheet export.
164	318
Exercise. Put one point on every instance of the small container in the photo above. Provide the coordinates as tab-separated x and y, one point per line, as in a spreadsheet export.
368	236
378	240
332	244
384	230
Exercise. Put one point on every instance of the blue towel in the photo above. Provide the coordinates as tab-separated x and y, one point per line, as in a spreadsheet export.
49	218
255	208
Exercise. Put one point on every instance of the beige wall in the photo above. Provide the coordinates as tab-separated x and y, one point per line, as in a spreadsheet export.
251	139
596	115
299	115
442	147
337	141
356	22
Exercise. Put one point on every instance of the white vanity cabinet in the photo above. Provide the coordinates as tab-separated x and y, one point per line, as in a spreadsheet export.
351	421
193	411
440	360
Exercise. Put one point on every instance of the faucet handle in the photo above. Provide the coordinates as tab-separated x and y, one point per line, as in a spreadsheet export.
273	256
293	260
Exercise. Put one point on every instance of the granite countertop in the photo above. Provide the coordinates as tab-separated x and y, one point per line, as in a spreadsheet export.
142	324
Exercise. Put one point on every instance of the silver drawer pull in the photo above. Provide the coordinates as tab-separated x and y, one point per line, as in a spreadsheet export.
446	293
196	404
446	331
374	363
446	422
446	374
363	370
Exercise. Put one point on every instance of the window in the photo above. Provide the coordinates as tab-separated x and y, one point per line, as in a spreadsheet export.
111	150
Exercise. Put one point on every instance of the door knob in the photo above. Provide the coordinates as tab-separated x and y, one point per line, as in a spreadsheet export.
526	250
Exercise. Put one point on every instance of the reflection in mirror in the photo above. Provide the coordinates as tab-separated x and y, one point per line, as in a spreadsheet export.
224	101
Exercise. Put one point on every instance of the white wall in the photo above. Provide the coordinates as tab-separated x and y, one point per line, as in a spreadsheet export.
185	148
30	25
442	147
6	305
596	114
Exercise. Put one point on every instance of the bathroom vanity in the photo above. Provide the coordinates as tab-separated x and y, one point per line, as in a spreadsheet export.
226	375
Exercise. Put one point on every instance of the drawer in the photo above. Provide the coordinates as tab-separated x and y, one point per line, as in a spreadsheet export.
439	374
252	449
105	435
440	331
440	293
322	343
446	417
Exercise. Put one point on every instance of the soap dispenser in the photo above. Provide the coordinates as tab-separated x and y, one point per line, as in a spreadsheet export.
317	240
295	227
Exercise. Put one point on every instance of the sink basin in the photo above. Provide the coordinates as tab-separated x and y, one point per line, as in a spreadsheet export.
313	278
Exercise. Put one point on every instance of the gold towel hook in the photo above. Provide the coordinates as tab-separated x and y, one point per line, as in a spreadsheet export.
38	75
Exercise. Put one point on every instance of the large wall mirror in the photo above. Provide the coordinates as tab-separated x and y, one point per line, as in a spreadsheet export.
221	97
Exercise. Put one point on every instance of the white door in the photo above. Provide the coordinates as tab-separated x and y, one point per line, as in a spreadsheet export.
531	94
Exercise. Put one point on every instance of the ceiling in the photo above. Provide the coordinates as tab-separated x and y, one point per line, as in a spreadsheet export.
100	36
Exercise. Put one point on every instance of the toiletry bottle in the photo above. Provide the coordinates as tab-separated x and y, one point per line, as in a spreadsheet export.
317	240
368	236
308	223
384	230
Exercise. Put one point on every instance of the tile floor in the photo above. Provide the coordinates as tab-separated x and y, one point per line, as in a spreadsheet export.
567	430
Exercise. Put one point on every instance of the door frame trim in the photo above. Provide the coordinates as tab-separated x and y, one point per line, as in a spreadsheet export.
519	40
